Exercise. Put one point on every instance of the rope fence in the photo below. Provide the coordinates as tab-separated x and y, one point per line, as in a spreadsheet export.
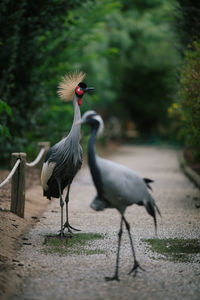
37	160
10	174
17	176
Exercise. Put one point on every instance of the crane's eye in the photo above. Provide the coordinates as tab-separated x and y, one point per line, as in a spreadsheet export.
79	91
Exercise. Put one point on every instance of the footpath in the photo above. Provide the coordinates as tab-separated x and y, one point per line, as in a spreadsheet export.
81	277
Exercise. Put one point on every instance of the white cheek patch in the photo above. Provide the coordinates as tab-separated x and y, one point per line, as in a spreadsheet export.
88	113
101	124
46	173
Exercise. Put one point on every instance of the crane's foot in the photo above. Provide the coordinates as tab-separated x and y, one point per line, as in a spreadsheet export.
69	227
115	277
135	268
63	235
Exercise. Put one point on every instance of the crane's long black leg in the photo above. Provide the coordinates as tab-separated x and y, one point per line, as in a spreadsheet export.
67	225
136	264
116	277
61	208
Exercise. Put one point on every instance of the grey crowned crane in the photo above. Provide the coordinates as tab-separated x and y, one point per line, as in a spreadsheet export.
64	159
117	187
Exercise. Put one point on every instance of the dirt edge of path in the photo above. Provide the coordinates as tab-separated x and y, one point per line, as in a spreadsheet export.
13	230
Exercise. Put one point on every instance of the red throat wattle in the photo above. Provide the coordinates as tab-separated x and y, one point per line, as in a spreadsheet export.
79	101
79	93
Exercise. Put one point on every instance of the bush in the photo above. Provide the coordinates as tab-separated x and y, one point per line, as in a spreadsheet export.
189	94
5	110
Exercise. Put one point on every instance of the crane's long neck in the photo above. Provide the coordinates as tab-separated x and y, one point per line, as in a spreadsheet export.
73	138
75	130
95	172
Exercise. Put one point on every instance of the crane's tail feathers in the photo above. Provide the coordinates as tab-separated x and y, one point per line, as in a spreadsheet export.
148	181
46	195
158	210
151	210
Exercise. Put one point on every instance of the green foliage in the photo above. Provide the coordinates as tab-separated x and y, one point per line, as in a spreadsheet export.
125	47
186	115
22	23
189	95
4	110
187	22
147	61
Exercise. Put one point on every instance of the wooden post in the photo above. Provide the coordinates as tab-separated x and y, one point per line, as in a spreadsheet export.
41	145
18	185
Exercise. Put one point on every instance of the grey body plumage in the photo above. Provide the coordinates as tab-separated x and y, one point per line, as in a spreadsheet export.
67	155
117	186
121	185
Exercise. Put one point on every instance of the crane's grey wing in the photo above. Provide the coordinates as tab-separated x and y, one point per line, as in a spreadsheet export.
122	186
67	160
80	158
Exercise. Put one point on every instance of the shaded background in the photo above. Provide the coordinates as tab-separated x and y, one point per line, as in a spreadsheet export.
142	57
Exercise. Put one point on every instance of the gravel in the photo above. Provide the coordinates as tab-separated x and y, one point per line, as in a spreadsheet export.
51	276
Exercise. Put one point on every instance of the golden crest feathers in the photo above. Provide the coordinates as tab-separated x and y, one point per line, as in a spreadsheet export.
66	88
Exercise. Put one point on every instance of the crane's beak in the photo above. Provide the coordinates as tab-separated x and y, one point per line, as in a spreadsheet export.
88	89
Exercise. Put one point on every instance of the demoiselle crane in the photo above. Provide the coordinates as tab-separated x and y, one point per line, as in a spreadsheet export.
117	187
64	159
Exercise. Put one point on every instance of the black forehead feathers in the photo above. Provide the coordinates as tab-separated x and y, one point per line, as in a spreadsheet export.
82	85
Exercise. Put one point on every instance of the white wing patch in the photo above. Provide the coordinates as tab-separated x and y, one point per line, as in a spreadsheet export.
46	173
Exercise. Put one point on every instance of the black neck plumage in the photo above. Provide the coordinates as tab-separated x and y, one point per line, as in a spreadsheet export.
95	172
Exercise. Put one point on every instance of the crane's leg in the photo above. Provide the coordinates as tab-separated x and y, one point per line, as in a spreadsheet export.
136	264
67	225
61	208
116	277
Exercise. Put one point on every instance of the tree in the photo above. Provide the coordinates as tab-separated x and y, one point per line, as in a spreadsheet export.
123	46
5	110
22	23
146	63
187	22
188	29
